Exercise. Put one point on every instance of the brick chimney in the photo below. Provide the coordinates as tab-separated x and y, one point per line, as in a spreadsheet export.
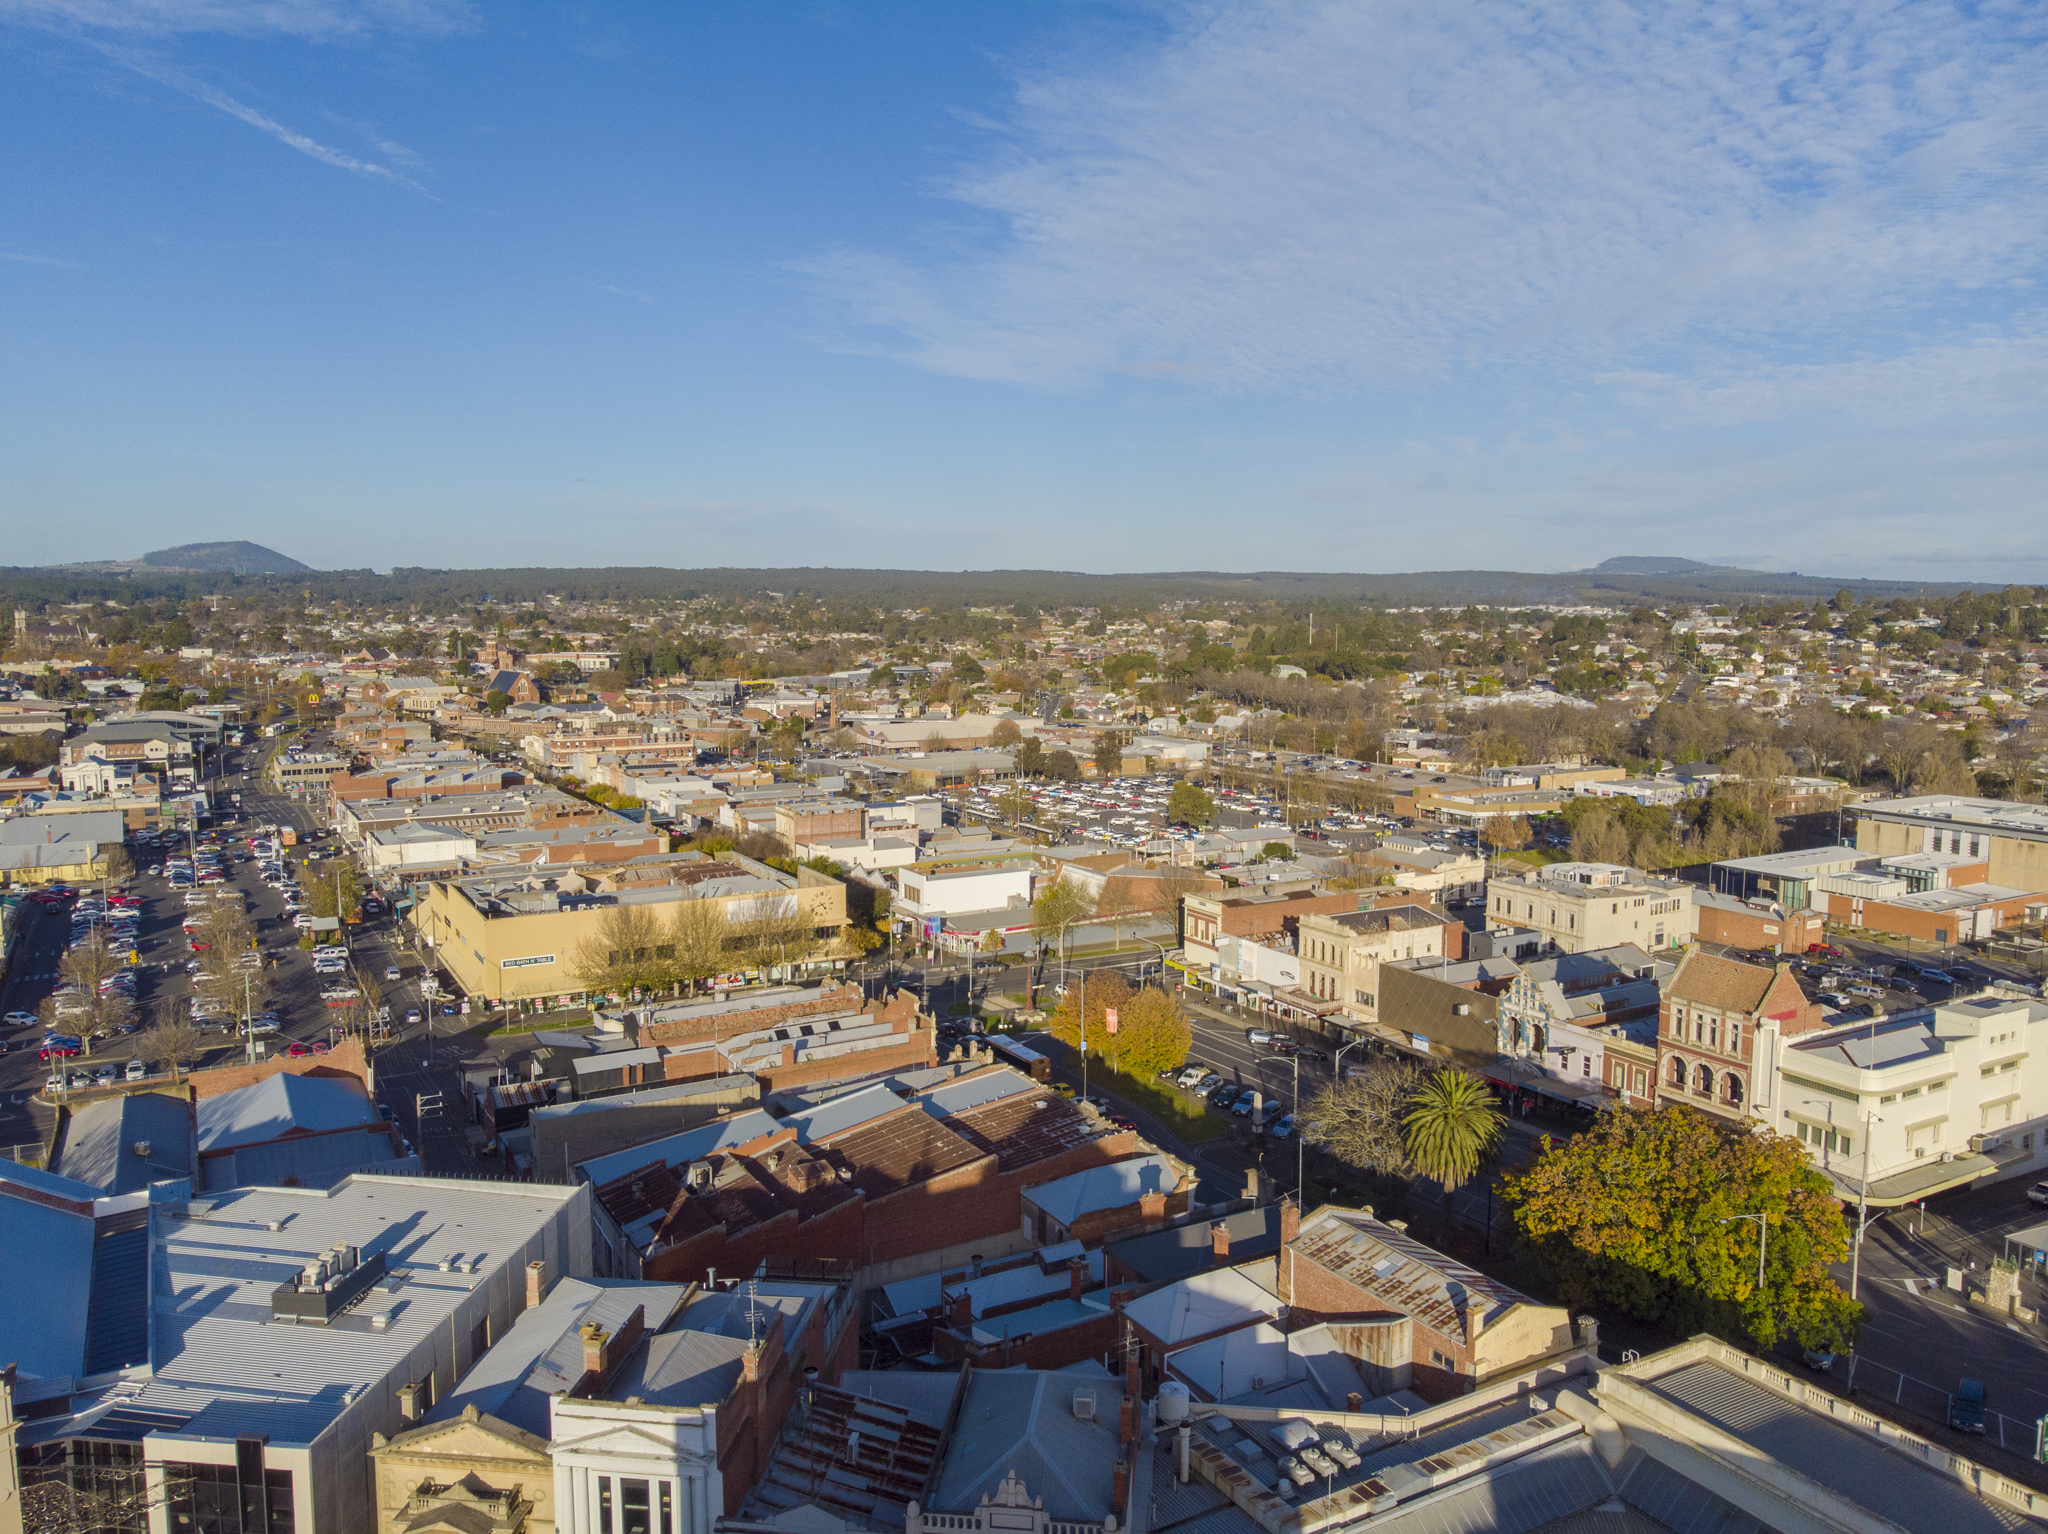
1134	1377
1077	1276
1219	1238
1127	1420
963	1310
536	1283
1290	1220
1120	1487
1152	1206
594	1341
750	1363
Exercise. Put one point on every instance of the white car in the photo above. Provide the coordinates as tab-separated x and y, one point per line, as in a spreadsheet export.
138	1070
303	922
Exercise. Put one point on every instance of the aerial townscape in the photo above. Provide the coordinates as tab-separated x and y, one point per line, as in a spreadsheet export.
1218	768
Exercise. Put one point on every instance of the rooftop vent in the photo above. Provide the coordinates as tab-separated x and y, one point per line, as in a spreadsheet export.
1084	1406
326	1286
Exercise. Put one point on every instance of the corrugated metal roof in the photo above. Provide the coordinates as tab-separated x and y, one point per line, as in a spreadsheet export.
1399	1271
1836	1457
1023	1420
1516	1498
1200	1304
974	1091
1097	1188
47	1338
117	1319
316	1161
842	1113
680	1149
1683	1506
219	1359
274	1107
101	1140
542	1354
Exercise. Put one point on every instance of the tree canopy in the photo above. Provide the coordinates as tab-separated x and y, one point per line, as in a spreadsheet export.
1639	1212
1151	1034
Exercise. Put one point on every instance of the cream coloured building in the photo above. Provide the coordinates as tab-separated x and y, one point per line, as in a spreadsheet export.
517	934
1341	954
1581	906
2012	839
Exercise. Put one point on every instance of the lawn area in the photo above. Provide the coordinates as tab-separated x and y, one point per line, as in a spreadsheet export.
1181	1112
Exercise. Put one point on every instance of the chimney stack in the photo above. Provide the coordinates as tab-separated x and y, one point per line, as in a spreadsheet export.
1120	1486
1127	1420
1152	1206
963	1311
594	1341
1077	1276
1290	1220
536	1283
1134	1378
411	1402
750	1362
1219	1238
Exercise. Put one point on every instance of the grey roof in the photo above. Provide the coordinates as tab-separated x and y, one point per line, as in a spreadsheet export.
1023	1420
674	1092
675	1150
218	1363
305	1161
1522	1496
1097	1188
1183	1249
975	1091
1201	1304
102	1141
681	1369
47	1338
542	1354
842	1113
272	1108
1837	1457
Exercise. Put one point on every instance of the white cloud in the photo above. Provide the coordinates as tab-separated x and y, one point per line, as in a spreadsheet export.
312	19
1320	197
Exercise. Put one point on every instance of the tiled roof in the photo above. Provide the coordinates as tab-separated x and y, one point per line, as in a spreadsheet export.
1726	985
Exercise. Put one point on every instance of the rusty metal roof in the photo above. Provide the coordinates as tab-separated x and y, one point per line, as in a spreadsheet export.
1395	1270
1027	1128
897	1150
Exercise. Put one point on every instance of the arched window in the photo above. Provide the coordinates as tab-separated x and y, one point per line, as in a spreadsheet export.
1731	1089
1677	1072
1703	1081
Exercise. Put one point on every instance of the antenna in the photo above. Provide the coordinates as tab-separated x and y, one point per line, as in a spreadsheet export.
753	1311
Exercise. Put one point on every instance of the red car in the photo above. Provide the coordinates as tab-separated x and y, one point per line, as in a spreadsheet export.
200	945
58	1051
1827	950
300	1051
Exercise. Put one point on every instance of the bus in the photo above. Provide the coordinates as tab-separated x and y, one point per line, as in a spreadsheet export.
1020	1057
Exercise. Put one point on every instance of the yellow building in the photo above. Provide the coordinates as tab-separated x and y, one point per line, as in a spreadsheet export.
519	934
472	1474
2010	839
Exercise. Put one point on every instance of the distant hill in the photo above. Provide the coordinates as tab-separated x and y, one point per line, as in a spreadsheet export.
1650	564
237	558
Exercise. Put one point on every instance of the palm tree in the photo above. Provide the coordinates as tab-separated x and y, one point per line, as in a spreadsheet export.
1451	1127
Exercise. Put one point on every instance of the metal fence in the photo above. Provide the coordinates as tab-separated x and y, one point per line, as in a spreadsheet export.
1881	1382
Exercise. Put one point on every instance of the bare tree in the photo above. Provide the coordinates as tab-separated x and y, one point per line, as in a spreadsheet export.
1359	1120
175	1043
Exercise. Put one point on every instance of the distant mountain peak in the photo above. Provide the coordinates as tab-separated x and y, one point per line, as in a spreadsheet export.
1651	564
237	558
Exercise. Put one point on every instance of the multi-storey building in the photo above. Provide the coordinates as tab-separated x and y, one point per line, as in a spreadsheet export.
1341	953
1708	1028
1577	906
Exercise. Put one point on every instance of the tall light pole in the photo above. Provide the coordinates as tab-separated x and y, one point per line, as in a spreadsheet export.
1869	1116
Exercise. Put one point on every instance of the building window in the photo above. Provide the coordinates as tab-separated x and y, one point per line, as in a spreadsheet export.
667	1508
1642	1080
211	1499
604	1504
633	1508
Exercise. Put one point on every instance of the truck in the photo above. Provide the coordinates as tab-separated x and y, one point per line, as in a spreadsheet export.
1966	1407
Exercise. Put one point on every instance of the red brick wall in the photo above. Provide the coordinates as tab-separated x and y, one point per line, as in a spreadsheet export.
1758	929
347	1060
1045	1350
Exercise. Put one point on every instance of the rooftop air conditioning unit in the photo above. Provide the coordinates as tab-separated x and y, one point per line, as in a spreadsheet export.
1084	1406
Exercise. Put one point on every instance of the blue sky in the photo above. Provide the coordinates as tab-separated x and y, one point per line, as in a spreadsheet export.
1358	286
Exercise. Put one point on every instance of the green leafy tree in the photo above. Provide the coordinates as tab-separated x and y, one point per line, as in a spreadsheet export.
1639	1213
1030	758
1451	1126
1190	805
883	675
1151	1034
1062	767
496	701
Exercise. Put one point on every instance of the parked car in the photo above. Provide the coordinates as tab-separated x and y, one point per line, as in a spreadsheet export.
1209	1082
1966	1407
1257	1036
138	1070
1820	1360
2038	1194
1223	1094
392	972
1190	1075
